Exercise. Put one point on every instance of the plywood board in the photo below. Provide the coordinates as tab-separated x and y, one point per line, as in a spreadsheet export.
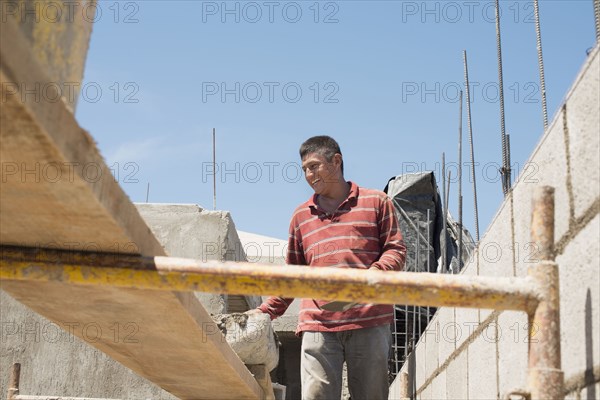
57	192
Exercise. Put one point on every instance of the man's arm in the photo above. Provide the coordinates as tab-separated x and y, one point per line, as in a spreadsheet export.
393	255
276	306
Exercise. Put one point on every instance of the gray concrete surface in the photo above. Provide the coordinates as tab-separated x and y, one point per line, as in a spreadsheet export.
187	230
481	364
54	363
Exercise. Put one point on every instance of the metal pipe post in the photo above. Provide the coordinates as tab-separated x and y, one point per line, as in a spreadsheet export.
13	383
545	377
404	395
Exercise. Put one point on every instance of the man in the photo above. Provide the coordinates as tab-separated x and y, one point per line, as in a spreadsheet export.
344	226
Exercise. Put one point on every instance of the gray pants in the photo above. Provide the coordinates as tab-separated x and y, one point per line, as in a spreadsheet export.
366	354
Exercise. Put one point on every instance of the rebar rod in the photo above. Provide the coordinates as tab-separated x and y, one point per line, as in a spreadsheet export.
460	204
597	19
444	205
446	200
408	221
504	170
470	126
214	140
14	382
538	33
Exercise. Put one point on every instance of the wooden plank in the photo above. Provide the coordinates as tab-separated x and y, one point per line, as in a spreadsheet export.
57	192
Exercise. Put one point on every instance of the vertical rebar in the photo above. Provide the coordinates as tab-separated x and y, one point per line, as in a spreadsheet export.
443	241
597	19
13	383
538	33
428	243
214	169
446	201
505	173
460	220
471	145
429	249
147	191
508	158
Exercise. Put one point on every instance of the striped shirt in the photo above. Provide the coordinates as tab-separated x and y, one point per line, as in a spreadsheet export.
362	233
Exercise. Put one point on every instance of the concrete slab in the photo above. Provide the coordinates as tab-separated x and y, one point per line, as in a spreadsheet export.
457	377
580	300
447	333
512	351
495	250
548	158
583	122
483	383
438	387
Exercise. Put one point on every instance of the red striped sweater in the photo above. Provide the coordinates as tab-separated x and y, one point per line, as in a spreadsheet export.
363	232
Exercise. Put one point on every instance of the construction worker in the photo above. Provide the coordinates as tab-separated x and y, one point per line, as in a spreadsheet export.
344	226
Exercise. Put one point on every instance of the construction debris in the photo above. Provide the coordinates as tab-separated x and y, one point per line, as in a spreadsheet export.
251	336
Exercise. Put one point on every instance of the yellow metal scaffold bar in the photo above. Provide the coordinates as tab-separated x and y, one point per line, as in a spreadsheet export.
180	274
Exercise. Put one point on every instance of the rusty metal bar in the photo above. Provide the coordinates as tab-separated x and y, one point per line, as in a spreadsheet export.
545	378
179	274
13	383
404	395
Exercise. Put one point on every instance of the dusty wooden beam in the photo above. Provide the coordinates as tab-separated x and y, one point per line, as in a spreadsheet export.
58	192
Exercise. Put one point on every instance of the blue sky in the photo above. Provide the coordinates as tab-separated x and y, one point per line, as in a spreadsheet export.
382	77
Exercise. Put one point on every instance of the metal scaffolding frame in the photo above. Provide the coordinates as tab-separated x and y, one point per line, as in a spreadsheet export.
537	294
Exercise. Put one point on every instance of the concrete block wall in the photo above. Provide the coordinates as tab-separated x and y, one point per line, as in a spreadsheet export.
482	354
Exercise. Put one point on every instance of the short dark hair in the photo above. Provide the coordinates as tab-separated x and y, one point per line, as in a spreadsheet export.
323	145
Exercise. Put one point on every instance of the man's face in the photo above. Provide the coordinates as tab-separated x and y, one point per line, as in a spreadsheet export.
319	173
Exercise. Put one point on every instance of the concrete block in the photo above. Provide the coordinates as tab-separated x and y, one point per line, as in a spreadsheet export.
496	249
512	351
426	393
438	386
483	383
446	335
251	337
583	122
457	377
466	322
422	373
186	230
466	318
580	300
546	166
432	347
